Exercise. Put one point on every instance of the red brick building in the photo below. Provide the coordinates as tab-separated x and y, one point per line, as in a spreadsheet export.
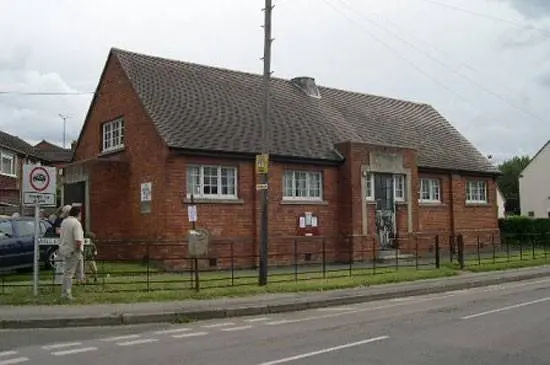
366	167
14	153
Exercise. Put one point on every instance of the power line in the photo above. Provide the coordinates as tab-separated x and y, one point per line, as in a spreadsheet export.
443	64
545	32
41	93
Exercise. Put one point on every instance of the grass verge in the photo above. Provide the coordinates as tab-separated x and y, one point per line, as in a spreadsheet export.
92	294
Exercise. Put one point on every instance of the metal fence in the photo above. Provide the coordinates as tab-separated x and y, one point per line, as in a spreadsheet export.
163	266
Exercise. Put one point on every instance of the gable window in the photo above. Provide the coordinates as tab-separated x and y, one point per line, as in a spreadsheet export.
302	185
399	187
113	135
209	181
7	163
430	191
476	191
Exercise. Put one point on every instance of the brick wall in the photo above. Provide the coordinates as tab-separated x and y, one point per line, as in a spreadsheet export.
115	187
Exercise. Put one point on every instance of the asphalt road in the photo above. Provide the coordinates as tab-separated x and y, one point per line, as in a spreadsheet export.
505	324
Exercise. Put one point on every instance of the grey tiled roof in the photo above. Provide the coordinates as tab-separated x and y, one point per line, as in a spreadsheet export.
206	108
16	144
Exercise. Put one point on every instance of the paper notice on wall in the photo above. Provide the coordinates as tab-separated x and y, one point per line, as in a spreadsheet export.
192	213
309	217
302	222
314	221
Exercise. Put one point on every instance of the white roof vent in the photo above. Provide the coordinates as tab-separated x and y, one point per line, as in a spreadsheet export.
307	84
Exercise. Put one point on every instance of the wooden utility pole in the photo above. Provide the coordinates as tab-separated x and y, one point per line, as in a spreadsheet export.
264	222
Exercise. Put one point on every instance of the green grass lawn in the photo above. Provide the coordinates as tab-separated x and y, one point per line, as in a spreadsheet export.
164	289
504	261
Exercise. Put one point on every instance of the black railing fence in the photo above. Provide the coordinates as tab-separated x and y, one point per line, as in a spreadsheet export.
232	262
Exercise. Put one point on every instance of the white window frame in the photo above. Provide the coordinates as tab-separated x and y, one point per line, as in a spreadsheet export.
403	190
480	197
434	185
109	141
369	186
308	188
200	194
10	156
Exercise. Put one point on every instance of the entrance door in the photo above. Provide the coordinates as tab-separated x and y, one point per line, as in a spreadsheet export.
75	194
385	209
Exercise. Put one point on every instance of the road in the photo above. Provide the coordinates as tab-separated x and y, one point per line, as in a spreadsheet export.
504	324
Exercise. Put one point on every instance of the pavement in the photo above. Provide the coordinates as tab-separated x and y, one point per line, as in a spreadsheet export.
503	324
62	316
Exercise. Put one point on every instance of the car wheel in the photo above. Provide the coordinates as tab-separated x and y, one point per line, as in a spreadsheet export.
51	258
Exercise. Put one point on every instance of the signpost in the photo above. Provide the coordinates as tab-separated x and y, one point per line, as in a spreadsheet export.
39	189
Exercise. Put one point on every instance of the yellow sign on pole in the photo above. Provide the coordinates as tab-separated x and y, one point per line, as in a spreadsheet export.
262	163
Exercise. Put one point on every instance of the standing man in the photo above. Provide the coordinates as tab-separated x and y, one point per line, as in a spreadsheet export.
71	243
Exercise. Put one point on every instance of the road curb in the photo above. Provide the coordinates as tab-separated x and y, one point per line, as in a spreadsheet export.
182	316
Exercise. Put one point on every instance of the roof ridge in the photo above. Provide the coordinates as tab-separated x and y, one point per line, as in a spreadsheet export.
239	72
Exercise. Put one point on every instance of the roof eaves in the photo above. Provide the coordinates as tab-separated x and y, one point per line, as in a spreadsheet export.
535	156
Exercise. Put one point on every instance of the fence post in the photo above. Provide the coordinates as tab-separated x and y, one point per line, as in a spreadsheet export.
478	251
437	253
416	251
494	248
533	243
232	253
324	253
521	250
351	256
148	268
451	247
508	250
460	247
295	260
374	256
396	241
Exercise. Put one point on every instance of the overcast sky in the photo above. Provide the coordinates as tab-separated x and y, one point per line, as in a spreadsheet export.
481	63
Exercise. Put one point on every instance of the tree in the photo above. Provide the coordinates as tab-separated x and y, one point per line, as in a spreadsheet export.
508	182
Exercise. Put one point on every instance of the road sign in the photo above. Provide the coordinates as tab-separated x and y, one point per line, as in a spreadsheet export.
41	199
261	186
39	185
262	163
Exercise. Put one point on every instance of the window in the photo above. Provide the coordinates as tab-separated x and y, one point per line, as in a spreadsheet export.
302	185
430	191
7	163
531	214
212	182
113	135
399	187
370	186
24	227
6	228
476	191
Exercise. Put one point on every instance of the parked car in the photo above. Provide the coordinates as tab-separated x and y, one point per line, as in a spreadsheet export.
17	244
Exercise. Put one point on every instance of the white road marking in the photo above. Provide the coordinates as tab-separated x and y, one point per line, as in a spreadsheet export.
324	351
283	321
218	325
175	330
232	329
254	320
16	360
74	351
194	334
113	339
137	342
507	308
61	345
8	353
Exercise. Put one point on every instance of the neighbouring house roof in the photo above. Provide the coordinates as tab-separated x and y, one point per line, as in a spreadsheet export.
205	108
547	144
54	153
17	145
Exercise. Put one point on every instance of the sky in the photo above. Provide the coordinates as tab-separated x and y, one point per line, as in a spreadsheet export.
481	63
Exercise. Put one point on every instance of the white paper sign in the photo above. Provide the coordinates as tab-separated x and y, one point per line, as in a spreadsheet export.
192	213
146	191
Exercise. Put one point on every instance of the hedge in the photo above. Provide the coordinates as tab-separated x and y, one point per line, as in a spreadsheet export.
525	228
